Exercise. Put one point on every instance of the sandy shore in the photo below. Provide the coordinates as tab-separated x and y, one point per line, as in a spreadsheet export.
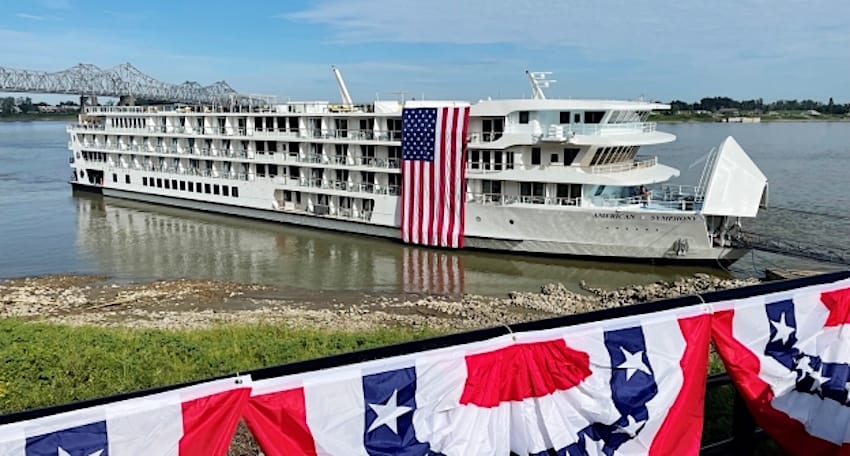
188	304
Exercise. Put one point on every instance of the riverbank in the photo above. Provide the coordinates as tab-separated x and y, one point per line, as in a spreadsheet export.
202	304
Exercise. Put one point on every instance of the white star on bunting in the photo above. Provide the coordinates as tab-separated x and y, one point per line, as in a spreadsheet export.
631	428
783	331
388	413
633	363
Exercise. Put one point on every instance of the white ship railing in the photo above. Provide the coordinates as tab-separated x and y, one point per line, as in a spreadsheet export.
638	163
565	131
372	162
340	135
357	187
500	199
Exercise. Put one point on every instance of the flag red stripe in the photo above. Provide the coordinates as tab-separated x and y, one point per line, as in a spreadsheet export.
744	366
461	166
681	434
278	421
209	422
451	157
551	366
838	303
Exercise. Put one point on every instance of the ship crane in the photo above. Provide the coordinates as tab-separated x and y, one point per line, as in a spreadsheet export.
343	90
539	82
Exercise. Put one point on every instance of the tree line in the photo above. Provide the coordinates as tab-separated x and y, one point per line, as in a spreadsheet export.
715	104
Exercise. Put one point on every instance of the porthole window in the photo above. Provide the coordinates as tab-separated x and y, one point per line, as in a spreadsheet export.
511	221
477	219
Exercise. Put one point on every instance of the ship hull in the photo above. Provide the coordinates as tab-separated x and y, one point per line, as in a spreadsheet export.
635	239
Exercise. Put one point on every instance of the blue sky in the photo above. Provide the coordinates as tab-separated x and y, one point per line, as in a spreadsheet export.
464	49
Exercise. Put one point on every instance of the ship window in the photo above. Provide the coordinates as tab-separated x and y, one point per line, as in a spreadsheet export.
191	186
570	155
272	170
298	198
531	192
497	160
568	193
492	129
198	187
182	185
225	190
174	184
593	117
261	170
491	187
216	189
565	117
554	158
474	157
167	184
158	183
535	155
485	159
234	191
523	117
145	181
576	117
207	188
126	178
114	178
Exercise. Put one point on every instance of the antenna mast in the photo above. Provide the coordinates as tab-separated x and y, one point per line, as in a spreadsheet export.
539	82
343	90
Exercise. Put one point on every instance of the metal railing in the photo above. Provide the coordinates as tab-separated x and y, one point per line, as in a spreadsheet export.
487	167
500	199
638	163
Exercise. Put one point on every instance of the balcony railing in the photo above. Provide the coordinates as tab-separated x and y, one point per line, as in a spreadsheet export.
640	162
500	199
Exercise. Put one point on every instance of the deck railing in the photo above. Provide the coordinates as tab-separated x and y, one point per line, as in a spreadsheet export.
638	163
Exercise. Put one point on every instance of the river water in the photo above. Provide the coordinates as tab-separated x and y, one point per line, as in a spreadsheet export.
45	228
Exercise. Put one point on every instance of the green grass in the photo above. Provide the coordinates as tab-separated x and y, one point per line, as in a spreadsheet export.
44	364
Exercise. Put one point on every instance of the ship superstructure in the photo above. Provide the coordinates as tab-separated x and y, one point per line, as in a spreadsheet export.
543	175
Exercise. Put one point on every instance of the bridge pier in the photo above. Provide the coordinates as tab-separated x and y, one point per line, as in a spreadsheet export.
126	100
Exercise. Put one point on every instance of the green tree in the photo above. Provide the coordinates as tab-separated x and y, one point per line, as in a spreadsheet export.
7	105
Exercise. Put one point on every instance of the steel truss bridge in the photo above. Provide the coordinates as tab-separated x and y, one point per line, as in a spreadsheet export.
124	82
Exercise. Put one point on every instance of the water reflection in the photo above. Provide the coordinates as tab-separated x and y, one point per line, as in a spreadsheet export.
140	241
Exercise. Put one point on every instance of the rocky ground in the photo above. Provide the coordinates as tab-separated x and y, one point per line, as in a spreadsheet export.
188	304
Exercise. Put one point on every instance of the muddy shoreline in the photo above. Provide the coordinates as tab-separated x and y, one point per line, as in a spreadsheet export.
191	304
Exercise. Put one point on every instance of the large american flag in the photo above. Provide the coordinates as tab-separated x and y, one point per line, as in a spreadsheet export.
433	192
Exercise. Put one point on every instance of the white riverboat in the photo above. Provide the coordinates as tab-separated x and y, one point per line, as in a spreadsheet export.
544	176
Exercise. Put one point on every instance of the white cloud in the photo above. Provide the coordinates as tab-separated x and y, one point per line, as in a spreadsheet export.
624	27
32	17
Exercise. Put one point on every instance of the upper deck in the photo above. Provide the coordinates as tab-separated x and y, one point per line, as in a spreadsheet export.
494	124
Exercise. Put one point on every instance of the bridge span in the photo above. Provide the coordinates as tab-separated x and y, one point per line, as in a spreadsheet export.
124	82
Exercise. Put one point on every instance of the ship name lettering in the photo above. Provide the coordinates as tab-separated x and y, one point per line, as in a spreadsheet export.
613	215
673	218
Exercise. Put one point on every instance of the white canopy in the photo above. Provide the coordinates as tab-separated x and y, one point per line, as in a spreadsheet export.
736	185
